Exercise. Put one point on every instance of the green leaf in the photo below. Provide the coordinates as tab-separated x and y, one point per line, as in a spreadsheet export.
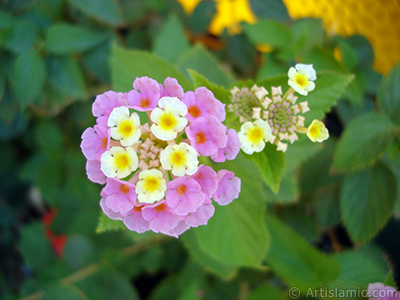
364	140
367	199
29	77
327	206
60	291
106	224
356	270
201	61
64	39
92	58
66	77
329	86
271	164
219	92
307	34
191	243
33	237
107	11
236	235
389	95
290	255
171	42
270	32
126	65
22	37
267	292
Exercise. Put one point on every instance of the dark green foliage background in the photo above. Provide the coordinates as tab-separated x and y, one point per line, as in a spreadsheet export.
313	217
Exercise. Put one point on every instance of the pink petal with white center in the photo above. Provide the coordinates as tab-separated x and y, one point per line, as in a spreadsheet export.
94	172
228	187
207	178
200	216
106	102
184	195
146	94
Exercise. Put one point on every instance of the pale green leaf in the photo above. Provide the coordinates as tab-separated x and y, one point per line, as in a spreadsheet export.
126	65
223	270
171	43
329	86
296	261
106	224
356	270
66	77
236	235
270	32
389	95
29	77
271	164
58	291
203	62
107	11
364	140
62	38
367	199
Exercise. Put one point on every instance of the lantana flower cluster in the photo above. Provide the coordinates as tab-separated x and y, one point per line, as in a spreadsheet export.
276	117
145	148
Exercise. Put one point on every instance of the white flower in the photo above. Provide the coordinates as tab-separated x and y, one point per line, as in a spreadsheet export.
317	131
119	162
151	186
168	118
301	78
124	127
253	136
181	159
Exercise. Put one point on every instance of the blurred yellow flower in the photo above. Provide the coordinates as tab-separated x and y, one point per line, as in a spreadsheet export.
230	13
378	21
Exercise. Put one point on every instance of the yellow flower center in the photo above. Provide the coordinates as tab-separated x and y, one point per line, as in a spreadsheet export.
301	80
122	161
314	131
255	134
126	128
152	184
168	121
178	158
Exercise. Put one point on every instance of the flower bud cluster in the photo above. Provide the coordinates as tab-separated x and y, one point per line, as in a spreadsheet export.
276	117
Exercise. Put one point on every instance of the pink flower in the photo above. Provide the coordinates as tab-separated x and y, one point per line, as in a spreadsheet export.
172	88
161	217
121	196
379	291
208	180
202	103
231	150
146	94
109	212
94	172
207	135
228	187
94	142
135	221
200	216
178	230
184	195
106	102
